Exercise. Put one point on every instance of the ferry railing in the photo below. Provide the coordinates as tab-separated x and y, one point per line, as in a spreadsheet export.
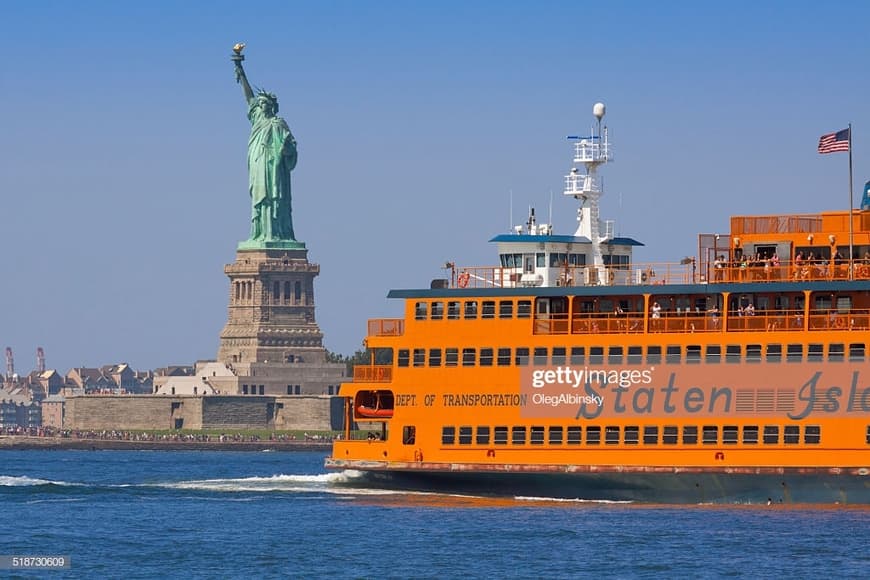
386	327
628	322
372	373
770	320
858	319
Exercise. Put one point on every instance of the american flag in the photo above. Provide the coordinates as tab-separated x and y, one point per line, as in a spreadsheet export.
834	142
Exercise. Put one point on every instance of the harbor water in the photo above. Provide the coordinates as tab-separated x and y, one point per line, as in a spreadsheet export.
204	514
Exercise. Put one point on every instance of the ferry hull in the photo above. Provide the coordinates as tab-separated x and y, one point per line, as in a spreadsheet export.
638	484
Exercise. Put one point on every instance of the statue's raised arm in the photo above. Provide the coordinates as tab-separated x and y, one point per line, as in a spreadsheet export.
237	58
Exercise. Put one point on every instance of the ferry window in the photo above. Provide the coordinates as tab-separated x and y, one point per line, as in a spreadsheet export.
791	434
453	310
537	435
631	434
635	355
468	357
794	353
611	435
868	434
711	434
836	352
465	435
653	355
451	358
774	353
693	353
771	434
812	434
434	357
448	435
558	260
669	435
732	353
651	435
575	435
690	435
714	354
420	311
518	435
815	352
486	357
540	259
524	309
506	309
409	434
729	434
614	355
856	352
559	357
593	435
488	309
483	435
750	434
753	353
500	436
578	355
596	355
419	357
555	437
437	310
404	357
673	353
471	309
504	357
522	356
540	356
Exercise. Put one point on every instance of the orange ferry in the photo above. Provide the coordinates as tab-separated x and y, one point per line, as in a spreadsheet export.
570	370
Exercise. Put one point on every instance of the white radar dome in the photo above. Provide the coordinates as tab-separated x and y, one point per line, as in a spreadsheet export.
598	110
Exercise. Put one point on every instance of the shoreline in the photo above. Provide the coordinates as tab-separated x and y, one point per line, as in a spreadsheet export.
24	442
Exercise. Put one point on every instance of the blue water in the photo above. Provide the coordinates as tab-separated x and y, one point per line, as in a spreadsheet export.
143	514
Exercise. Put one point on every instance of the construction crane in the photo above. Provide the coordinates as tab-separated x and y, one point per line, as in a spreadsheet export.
40	359
10	364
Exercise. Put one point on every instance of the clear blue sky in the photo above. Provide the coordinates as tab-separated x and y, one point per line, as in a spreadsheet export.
124	136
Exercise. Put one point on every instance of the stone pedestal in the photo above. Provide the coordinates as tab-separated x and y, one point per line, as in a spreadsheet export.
271	309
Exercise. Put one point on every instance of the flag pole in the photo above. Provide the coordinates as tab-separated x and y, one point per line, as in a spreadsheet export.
851	233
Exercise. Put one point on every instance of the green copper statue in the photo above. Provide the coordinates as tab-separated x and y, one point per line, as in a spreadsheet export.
271	158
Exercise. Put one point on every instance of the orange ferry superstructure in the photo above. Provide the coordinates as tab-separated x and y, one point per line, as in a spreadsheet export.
739	374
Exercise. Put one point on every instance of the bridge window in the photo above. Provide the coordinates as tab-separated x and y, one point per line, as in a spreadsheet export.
555	436
483	435
434	357
501	435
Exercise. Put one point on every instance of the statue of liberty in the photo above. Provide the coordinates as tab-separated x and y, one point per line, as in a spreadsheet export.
271	158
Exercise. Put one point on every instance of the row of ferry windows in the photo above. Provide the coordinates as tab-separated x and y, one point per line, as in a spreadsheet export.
632	435
577	355
471	310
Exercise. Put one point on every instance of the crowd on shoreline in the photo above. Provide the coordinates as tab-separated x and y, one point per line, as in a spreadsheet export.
144	436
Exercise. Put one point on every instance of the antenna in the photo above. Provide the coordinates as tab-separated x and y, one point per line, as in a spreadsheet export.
511	223
550	219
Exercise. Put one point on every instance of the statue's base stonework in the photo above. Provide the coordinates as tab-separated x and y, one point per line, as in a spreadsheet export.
271	341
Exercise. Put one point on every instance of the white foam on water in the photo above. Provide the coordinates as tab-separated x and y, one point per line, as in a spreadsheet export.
24	481
570	500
